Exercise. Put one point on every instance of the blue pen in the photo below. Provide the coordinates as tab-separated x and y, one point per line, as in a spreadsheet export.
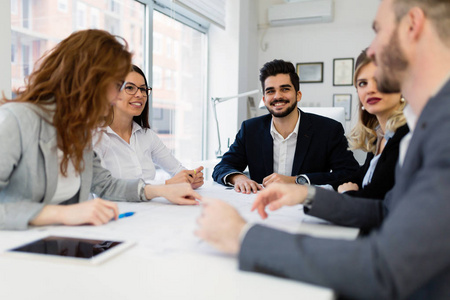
127	214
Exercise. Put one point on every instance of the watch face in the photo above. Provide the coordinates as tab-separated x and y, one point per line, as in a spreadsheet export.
301	180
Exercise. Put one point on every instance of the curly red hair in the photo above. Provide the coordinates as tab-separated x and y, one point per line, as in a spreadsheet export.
72	80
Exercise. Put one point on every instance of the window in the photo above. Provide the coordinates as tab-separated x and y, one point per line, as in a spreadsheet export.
180	106
95	18
81	16
13	52
49	27
157	78
168	80
62	5
114	6
178	73
157	43
26	13
26	60
14	9
169	47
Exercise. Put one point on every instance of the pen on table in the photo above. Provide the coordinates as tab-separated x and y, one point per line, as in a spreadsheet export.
127	214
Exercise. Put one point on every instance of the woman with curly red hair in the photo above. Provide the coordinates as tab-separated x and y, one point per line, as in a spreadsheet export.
46	157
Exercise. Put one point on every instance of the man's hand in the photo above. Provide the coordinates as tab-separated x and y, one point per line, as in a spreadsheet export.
278	195
275	177
220	225
349	186
180	193
242	184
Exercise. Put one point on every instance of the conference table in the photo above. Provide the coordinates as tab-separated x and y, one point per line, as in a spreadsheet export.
167	260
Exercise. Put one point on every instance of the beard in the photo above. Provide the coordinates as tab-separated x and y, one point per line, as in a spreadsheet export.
392	65
281	114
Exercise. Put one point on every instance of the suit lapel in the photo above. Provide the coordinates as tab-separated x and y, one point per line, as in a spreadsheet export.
303	140
47	144
267	151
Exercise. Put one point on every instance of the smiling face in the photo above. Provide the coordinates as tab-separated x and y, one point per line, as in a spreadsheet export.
280	97
374	102
131	105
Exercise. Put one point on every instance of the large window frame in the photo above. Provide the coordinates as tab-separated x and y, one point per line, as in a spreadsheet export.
166	7
189	19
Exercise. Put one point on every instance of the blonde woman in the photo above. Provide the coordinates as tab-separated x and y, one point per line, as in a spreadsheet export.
381	126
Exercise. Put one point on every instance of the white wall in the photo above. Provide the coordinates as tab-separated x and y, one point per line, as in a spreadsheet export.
5	48
233	65
237	54
349	33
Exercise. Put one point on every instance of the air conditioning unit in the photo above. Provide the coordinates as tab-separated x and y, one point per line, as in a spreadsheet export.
308	11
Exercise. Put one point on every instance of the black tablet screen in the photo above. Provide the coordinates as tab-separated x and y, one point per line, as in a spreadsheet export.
65	246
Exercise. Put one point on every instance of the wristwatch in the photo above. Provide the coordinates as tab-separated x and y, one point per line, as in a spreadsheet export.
301	179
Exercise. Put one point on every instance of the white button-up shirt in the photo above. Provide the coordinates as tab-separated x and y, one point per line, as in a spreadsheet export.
284	149
411	120
138	158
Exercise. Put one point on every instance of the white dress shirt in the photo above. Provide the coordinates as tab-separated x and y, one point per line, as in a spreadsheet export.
284	149
411	120
373	163
136	159
67	186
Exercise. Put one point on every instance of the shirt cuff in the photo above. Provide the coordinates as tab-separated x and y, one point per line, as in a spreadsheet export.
244	231
311	193
226	176
141	190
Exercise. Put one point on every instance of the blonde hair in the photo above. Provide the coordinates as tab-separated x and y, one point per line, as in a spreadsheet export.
363	136
74	78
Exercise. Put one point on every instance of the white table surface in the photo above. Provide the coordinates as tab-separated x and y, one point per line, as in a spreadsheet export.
167	262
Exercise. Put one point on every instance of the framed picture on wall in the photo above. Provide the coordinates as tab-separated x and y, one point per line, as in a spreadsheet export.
342	71
310	72
345	101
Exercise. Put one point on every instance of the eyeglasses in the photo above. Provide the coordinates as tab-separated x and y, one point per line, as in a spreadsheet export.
131	89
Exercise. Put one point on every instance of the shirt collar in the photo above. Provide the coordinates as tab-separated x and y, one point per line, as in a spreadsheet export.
136	127
411	118
387	135
273	130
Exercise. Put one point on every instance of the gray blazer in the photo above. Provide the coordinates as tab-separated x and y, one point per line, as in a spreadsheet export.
29	167
408	257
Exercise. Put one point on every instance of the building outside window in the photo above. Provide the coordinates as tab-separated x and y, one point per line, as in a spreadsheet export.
177	103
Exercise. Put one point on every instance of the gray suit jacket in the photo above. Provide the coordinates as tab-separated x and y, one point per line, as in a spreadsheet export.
408	257
29	167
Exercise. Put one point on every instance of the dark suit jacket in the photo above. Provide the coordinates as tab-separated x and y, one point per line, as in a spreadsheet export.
408	257
383	177
321	147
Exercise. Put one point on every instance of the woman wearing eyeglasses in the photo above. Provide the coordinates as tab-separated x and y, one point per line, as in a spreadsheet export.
129	148
47	166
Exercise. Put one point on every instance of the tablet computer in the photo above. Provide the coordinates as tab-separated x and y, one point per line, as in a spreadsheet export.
71	249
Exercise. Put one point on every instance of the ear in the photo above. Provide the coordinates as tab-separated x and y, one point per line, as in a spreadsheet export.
299	96
415	21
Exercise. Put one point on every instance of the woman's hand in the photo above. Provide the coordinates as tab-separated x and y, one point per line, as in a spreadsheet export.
193	177
94	212
180	193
